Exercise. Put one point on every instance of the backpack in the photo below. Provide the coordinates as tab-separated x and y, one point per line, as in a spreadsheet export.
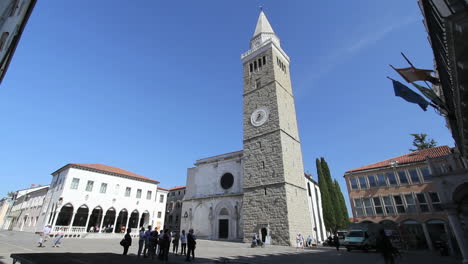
123	242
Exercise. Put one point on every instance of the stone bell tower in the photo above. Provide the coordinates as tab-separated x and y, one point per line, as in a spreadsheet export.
274	200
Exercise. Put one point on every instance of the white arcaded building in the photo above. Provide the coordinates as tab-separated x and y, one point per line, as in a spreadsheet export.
86	196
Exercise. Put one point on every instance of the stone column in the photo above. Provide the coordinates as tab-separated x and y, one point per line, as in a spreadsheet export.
54	219
128	220
71	222
87	222
449	239
457	230
115	222
140	218
102	221
428	237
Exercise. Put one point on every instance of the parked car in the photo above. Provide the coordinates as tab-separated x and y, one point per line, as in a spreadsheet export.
360	239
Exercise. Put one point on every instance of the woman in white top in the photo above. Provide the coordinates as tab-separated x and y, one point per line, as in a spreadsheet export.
183	241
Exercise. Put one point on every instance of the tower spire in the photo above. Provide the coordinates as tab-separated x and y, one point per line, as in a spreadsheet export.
263	31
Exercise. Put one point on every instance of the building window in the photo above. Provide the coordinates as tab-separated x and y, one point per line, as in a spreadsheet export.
414	176
103	188
391	178
178	193
259	63
353	183
255	65
159	214
89	186
425	173
402	177
138	195
389	210
410	204
264	60
173	194
148	195
381	180
372	182
423	206
358	207
74	184
161	198
251	67
363	182
176	219
378	206
436	204
400	206
368	206
128	190
227	180
117	187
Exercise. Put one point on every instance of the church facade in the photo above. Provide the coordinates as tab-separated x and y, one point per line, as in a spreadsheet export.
262	188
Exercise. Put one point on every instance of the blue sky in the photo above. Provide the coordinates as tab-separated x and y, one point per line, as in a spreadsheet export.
151	86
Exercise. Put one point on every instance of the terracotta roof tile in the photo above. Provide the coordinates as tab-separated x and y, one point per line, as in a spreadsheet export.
161	188
105	168
412	157
177	187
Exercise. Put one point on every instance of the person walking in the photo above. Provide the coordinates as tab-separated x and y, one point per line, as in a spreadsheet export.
336	241
44	235
58	238
141	241
191	244
153	243
165	245
126	242
183	241
147	241
385	247
175	243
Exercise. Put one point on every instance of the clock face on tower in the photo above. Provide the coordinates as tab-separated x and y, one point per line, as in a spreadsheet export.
259	116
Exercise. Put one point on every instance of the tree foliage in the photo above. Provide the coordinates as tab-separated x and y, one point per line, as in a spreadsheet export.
420	141
327	208
343	211
331	193
10	194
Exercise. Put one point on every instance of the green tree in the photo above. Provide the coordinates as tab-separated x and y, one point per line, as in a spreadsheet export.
327	207
343	210
420	141
332	194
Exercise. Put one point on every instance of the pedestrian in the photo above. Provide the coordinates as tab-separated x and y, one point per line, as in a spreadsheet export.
126	242
175	243
141	240
336	241
58	238
165	244
147	241
191	244
298	241
309	241
153	243
385	247
91	229
44	235
183	241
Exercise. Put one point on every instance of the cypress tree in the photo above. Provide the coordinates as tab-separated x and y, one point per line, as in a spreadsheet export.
344	217
334	207
328	218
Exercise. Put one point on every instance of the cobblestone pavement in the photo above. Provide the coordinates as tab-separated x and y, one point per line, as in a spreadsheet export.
210	252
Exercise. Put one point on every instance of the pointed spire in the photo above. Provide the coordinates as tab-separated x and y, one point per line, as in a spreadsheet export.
263	26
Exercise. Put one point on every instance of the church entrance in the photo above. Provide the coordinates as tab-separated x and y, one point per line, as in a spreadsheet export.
223	228
264	234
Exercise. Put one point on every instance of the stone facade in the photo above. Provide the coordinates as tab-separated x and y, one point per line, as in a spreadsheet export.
173	218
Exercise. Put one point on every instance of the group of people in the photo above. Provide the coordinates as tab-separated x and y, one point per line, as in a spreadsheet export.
45	235
152	243
301	243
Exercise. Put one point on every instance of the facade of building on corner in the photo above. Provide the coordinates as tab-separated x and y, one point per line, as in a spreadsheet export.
173	217
406	194
260	189
5	205
84	198
14	15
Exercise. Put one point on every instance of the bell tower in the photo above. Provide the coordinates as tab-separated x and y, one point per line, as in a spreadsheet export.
274	187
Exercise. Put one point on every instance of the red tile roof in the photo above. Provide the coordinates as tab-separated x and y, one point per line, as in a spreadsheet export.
112	170
412	157
161	188
177	187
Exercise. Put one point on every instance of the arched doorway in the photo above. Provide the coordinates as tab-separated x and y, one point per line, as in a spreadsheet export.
144	220
95	218
65	215
108	223
413	235
81	216
121	221
133	222
223	224
264	233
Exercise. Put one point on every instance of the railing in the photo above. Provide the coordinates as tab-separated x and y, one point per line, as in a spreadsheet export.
70	230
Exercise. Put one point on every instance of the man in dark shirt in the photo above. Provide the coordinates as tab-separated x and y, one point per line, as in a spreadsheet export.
127	241
191	242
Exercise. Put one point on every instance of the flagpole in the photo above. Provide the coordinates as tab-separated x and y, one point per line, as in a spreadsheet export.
412	66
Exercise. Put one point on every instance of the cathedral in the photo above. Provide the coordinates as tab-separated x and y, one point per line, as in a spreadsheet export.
263	188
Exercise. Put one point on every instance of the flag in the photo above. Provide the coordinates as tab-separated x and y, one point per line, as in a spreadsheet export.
406	93
412	74
431	95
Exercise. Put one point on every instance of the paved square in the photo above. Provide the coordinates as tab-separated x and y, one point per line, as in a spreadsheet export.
208	252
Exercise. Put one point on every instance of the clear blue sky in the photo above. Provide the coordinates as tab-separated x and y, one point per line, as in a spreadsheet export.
151	86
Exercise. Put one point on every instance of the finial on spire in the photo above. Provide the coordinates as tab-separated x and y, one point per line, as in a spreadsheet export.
261	8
